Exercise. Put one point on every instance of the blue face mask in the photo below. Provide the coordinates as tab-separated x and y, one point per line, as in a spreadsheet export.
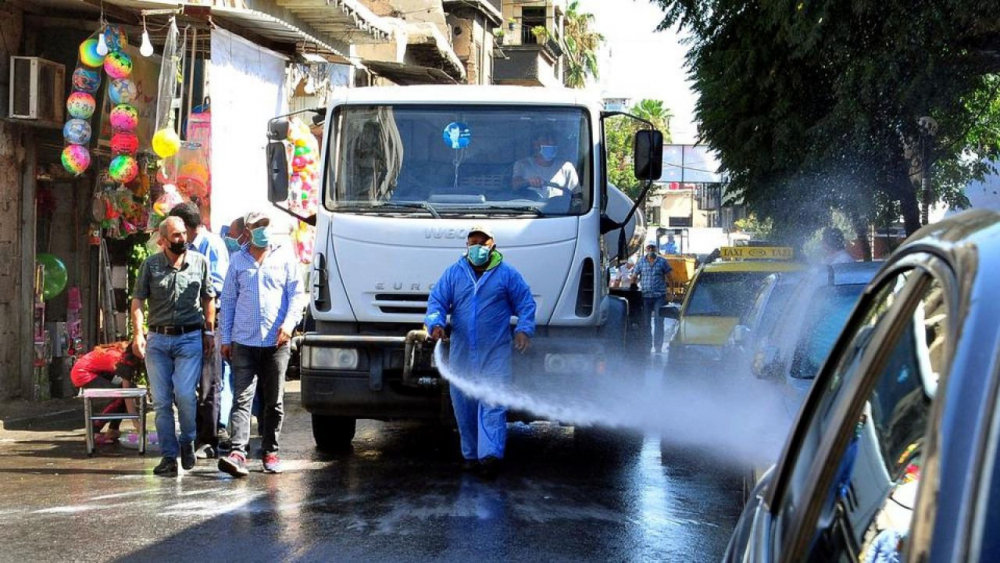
232	244
259	237
478	254
548	152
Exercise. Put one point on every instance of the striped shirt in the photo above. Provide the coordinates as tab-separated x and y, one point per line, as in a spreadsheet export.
651	276
259	299
211	246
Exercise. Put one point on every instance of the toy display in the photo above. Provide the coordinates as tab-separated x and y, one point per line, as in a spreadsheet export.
81	105
89	55
54	275
124	118
122	91
117	65
76	159
86	80
124	143
123	169
166	143
77	132
303	197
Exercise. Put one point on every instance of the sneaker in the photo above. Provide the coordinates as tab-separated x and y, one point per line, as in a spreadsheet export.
187	456
166	468
272	463
206	451
234	464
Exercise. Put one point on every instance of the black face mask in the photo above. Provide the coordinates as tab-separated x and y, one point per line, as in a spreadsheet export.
177	248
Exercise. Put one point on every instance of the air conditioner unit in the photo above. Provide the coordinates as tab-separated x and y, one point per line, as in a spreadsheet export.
37	90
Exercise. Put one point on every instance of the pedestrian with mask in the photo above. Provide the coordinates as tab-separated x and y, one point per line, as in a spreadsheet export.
653	272
211	246
237	236
481	293
543	172
262	302
177	286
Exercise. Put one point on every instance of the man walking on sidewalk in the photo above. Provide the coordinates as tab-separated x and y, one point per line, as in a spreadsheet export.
653	273
262	301
178	287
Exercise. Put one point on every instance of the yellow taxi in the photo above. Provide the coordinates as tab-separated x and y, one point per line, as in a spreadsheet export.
718	296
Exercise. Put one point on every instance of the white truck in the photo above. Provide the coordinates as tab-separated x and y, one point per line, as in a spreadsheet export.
406	172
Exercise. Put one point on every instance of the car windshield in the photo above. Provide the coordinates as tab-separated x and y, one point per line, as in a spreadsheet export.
462	160
824	320
724	294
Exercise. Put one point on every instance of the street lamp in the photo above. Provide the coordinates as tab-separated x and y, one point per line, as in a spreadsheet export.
928	129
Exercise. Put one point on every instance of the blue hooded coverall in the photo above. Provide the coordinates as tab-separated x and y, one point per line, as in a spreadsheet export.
481	344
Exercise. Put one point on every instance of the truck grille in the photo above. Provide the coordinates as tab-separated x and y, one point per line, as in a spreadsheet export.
401	303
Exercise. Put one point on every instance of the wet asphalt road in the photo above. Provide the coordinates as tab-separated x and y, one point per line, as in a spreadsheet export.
400	495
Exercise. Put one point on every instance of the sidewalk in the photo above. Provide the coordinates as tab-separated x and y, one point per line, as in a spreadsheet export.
19	414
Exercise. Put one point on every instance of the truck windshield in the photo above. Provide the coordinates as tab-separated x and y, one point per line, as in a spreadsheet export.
457	160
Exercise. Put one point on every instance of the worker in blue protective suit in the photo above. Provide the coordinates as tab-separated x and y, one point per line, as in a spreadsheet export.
481	292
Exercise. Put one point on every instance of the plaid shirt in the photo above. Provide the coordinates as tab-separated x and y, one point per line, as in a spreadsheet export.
258	299
651	276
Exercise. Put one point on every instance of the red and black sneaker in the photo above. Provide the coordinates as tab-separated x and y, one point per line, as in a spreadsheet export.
234	464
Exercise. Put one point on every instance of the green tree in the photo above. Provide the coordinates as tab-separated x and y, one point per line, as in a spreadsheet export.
581	44
814	106
619	132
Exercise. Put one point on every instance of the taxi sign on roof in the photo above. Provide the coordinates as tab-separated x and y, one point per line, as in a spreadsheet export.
756	253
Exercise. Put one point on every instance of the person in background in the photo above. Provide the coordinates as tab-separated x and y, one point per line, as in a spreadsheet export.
236	237
669	247
211	427
834	247
623	279
262	302
481	293
653	271
542	172
111	366
177	286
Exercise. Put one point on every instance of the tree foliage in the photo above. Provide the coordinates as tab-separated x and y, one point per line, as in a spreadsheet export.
814	106
619	132
581	45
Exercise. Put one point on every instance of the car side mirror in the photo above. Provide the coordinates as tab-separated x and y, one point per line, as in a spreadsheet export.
647	155
741	333
670	312
277	172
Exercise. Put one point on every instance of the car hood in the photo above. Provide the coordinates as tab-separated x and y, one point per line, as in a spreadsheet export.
711	331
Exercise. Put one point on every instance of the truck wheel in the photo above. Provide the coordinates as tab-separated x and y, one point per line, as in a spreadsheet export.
333	433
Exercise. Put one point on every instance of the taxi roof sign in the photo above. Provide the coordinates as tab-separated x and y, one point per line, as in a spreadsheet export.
756	253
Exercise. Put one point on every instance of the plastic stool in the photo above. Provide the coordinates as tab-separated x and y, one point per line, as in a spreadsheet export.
126	393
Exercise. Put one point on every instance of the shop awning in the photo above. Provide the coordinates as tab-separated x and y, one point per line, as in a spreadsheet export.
407	75
427	59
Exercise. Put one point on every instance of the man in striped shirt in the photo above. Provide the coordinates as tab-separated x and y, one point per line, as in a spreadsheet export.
262	301
653	273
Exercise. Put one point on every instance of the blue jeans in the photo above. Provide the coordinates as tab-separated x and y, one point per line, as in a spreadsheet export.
174	367
651	308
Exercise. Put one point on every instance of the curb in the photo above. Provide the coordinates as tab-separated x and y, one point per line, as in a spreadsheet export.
40	418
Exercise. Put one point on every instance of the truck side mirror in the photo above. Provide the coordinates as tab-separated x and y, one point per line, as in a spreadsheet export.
277	172
647	155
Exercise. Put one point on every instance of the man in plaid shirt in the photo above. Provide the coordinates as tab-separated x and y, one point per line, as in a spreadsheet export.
652	271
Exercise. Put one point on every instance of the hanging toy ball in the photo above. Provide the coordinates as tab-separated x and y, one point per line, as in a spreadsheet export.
86	80
122	91
75	159
166	143
118	65
80	105
124	143
124	118
115	38
77	132
89	55
123	169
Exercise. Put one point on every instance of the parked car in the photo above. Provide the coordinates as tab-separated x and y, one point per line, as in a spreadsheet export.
719	294
773	298
895	454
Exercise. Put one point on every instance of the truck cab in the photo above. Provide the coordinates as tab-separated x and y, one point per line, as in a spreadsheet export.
406	172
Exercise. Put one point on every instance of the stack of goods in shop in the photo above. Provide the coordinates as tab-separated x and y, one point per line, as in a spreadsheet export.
303	184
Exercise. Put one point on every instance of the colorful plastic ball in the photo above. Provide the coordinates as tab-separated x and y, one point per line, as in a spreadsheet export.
302	150
166	143
124	118
118	65
115	38
75	159
122	91
86	80
54	275
89	55
298	163
81	105
123	169
77	132
124	143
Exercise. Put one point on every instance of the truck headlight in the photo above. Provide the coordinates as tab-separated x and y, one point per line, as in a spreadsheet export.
318	357
569	363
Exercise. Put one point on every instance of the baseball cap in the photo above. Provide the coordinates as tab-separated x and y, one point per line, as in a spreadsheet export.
480	229
254	216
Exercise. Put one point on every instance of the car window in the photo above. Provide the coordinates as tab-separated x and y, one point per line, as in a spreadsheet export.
862	329
763	292
869	507
779	302
824	319
723	294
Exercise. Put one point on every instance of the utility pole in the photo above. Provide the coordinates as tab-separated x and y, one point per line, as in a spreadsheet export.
928	128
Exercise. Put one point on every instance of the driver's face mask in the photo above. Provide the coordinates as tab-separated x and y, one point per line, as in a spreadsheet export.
548	152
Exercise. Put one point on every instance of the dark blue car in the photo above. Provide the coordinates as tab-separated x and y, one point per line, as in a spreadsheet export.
894	454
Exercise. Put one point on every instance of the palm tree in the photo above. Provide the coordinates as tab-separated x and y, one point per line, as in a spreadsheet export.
655	112
581	47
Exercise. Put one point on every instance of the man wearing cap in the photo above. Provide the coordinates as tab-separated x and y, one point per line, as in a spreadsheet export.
481	292
177	286
653	271
262	301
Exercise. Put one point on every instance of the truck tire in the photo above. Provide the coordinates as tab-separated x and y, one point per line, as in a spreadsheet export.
333	433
